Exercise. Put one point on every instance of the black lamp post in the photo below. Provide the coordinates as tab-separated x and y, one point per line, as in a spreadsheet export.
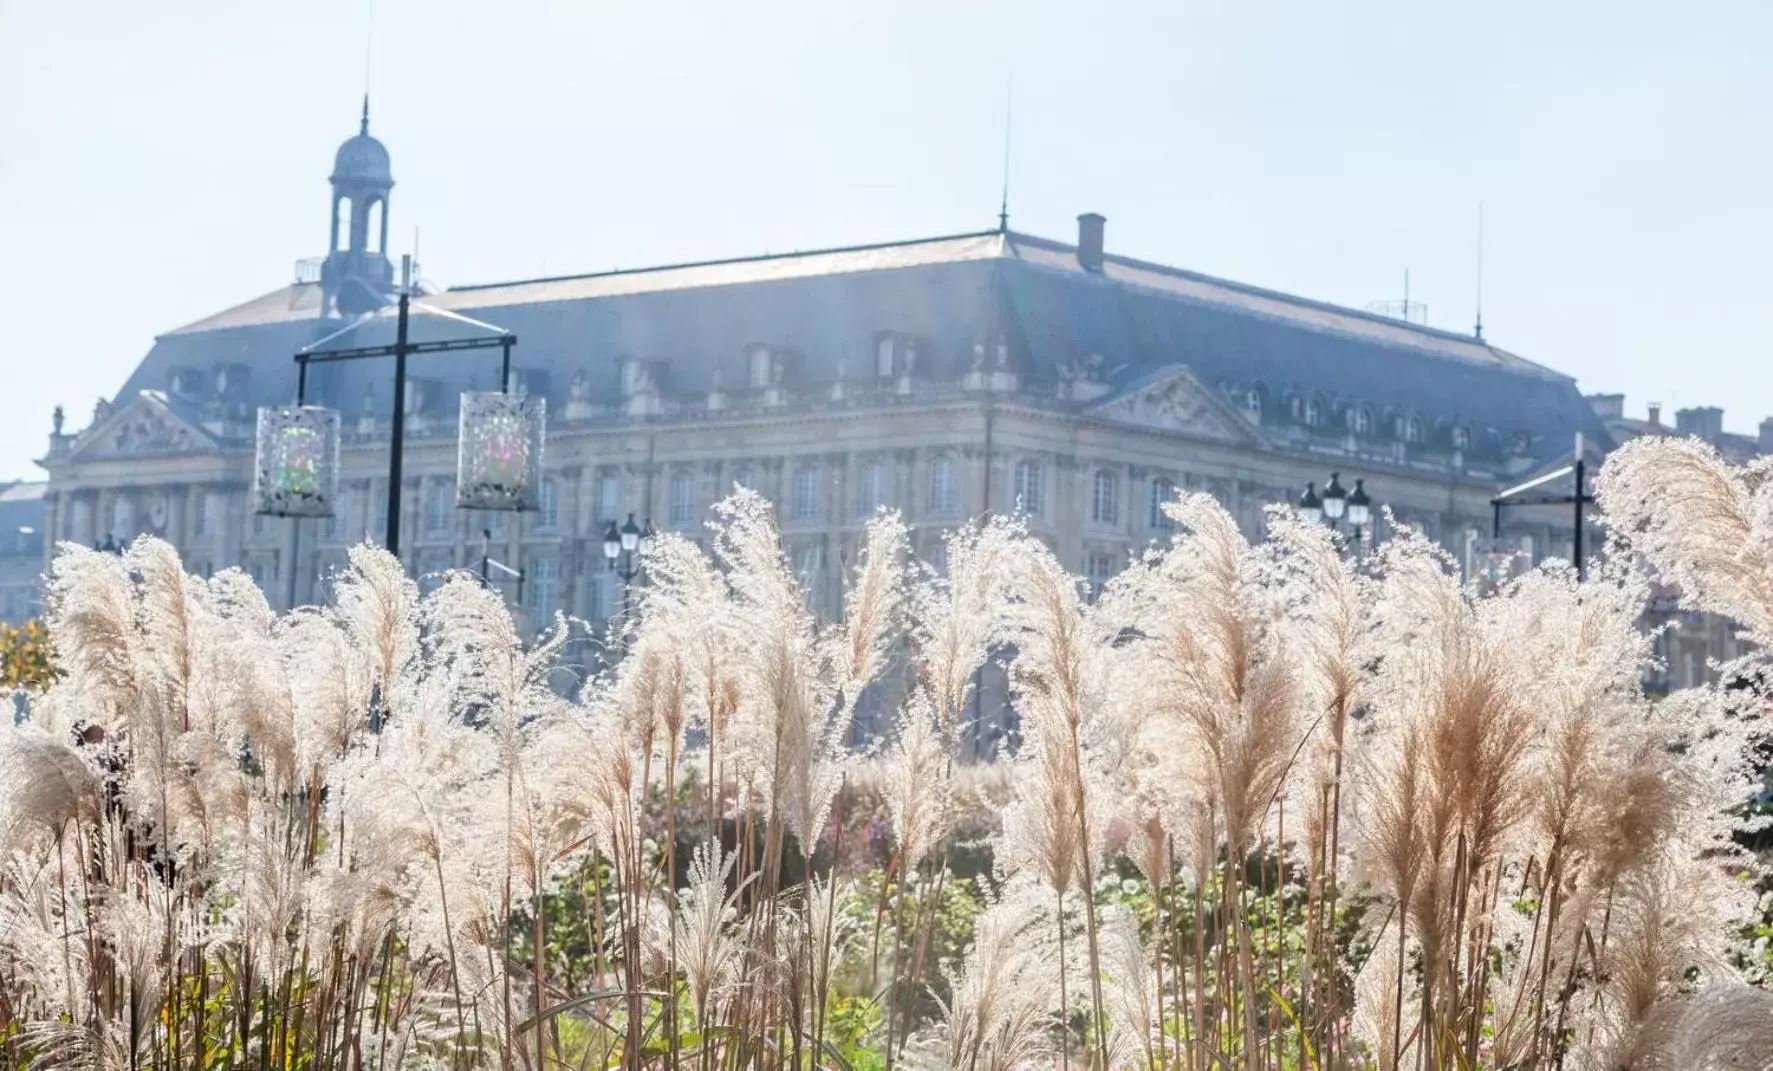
1335	499
1360	508
1311	505
400	351
624	545
1338	503
488	563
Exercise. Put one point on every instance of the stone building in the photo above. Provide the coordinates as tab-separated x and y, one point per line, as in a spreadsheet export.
1689	644
944	376
21	550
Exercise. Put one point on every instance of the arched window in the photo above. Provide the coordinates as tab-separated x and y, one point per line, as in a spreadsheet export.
683	497
1409	429
1360	420
1163	489
1105	498
944	489
372	233
806	494
870	488
341	212
1461	437
1027	487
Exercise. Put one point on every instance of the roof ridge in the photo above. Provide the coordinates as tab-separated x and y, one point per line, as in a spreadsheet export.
718	262
1262	291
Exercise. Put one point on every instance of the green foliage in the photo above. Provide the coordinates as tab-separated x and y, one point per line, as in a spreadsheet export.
27	659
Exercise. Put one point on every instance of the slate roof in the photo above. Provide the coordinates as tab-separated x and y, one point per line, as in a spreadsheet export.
830	305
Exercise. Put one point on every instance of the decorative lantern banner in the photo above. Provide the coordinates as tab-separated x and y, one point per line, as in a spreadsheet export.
499	463
296	470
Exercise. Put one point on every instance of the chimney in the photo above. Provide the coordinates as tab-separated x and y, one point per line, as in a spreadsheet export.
1705	421
1607	406
1655	417
1089	241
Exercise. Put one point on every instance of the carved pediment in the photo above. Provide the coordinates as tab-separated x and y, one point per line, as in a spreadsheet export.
1177	402
141	427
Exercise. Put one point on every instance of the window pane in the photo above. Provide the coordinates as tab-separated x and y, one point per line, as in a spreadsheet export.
609	498
683	498
806	494
543	578
1027	488
944	495
548	504
1162	490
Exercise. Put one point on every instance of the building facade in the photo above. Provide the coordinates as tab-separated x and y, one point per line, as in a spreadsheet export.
944	377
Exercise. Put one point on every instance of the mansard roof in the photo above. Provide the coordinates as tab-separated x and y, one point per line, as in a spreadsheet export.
952	292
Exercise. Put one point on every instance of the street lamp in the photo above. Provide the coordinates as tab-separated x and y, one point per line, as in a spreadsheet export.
1338	503
1335	498
626	544
297	462
1311	505
1360	508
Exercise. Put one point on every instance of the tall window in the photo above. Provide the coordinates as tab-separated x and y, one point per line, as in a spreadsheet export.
683	497
809	569
436	507
1027	487
548	504
1105	498
746	477
599	598
381	515
544	580
339	524
209	515
870	488
609	498
806	494
944	487
1098	568
1163	489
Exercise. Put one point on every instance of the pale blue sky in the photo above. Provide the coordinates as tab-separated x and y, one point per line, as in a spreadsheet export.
159	161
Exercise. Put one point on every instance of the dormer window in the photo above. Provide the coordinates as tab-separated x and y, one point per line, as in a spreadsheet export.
896	354
1314	413
1461	437
1360	420
760	366
1253	399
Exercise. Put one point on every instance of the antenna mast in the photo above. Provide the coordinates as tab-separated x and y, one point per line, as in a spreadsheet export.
1478	330
1003	206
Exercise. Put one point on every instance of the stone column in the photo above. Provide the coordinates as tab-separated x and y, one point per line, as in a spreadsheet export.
906	467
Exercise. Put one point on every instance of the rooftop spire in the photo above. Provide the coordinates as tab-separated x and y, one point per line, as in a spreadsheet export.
363	127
